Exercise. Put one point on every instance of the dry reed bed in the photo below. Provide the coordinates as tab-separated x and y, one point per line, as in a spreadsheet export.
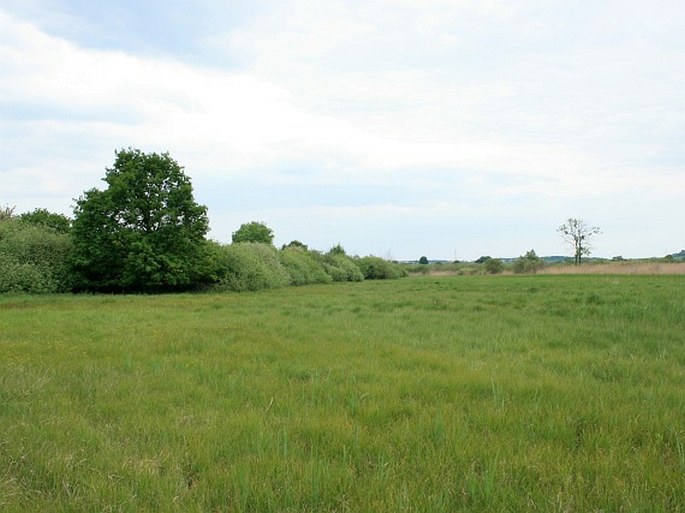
618	268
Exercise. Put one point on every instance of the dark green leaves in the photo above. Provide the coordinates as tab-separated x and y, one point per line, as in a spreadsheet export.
144	233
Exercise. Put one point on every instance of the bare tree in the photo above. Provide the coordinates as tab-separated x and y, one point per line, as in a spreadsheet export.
578	235
6	212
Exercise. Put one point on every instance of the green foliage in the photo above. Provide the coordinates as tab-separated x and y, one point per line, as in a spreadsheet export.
42	217
483	259
493	266
33	258
340	267
302	266
144	233
529	263
376	268
337	250
423	260
295	244
251	266
253	232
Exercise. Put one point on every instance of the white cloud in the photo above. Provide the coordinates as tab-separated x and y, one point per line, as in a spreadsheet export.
474	108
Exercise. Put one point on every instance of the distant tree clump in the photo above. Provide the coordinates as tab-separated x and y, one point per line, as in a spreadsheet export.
528	263
376	268
423	260
144	232
576	233
483	259
493	266
253	232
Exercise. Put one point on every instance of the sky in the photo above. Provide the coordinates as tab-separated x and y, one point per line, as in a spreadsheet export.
400	128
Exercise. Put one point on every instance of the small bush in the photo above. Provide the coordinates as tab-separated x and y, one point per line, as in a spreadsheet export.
302	266
376	268
251	266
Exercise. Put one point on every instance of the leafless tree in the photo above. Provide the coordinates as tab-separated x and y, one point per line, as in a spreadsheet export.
6	212
578	235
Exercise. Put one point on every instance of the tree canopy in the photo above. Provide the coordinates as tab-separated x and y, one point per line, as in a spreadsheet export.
253	232
43	217
144	232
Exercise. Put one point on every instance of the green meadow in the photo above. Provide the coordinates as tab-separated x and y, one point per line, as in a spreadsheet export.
426	394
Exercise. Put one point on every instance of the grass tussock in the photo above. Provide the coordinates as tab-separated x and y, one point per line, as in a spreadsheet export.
508	393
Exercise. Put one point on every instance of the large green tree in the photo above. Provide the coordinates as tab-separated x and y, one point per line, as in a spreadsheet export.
144	232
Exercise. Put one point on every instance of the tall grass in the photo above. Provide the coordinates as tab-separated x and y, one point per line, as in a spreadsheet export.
544	393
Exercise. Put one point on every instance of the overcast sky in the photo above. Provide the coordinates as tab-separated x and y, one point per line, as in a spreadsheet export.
400	128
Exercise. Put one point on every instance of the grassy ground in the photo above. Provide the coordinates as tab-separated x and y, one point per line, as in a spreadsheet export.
489	393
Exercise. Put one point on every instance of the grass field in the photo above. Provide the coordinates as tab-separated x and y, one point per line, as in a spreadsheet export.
484	393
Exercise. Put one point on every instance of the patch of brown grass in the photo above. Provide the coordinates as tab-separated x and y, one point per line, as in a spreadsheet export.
618	268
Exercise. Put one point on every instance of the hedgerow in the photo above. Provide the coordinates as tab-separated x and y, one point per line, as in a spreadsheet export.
251	266
33	258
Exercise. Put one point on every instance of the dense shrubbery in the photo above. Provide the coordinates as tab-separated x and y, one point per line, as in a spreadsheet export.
33	258
37	258
302	266
376	268
340	267
251	266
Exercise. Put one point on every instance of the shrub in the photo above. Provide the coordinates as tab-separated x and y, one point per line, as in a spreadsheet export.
493	266
340	267
251	266
302	266
529	263
33	258
376	268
